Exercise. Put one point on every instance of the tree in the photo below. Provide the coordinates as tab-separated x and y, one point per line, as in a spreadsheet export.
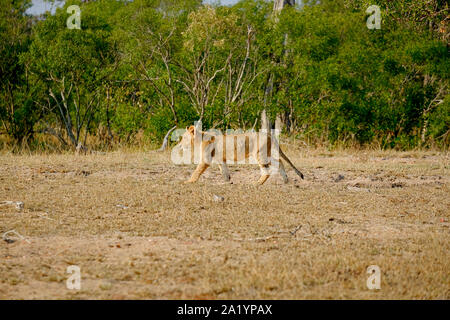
17	113
71	65
219	62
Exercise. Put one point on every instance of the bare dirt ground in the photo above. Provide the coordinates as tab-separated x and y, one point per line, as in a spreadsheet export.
137	232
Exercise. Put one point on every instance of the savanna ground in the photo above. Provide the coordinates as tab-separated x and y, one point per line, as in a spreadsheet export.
137	232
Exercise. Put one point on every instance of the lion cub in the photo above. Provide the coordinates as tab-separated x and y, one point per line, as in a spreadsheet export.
253	147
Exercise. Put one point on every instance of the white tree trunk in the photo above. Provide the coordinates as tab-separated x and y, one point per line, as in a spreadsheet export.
278	5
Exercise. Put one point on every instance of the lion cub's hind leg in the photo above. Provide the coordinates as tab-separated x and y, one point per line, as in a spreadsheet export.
224	170
282	172
277	166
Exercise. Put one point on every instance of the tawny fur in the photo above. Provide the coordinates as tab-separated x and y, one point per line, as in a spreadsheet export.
209	148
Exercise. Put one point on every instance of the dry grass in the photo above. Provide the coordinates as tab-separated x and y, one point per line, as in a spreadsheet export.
308	239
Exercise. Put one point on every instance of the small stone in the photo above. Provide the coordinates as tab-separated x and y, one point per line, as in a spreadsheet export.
218	198
19	205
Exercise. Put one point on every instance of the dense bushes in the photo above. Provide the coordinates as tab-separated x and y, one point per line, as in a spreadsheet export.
142	67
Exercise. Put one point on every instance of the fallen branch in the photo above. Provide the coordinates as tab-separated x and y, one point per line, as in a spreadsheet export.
295	230
261	239
9	239
18	204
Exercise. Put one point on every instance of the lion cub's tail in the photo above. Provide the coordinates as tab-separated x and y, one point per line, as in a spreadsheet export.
291	164
277	145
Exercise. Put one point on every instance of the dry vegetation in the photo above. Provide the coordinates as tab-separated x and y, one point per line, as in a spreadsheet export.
137	232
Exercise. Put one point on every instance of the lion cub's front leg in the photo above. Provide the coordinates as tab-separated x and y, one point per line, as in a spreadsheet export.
265	174
198	172
207	153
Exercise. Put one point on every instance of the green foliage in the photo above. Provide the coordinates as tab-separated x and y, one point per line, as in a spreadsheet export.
147	65
17	112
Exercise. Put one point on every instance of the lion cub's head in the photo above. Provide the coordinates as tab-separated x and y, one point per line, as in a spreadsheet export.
195	139
187	139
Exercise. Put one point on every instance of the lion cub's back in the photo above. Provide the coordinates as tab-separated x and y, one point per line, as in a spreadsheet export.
236	148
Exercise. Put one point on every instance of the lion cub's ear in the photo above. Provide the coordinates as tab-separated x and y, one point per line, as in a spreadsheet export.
191	129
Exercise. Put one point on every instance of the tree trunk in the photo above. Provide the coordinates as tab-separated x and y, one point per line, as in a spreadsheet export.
280	4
